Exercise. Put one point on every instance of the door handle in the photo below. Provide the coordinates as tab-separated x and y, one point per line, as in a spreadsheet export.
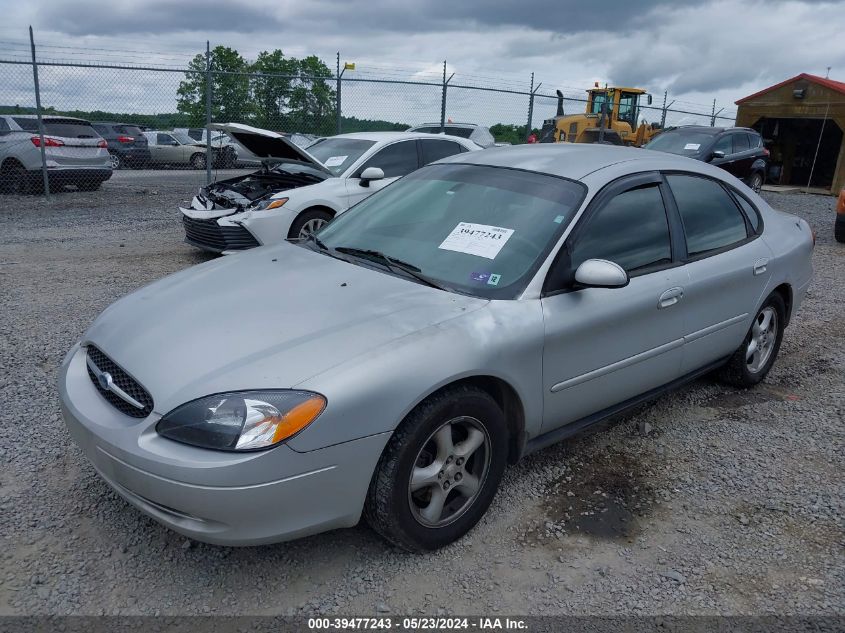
760	266
670	297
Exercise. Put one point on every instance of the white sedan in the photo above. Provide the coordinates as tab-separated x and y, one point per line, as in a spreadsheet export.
296	192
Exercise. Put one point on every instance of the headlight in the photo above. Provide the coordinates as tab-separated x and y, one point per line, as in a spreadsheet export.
270	203
242	421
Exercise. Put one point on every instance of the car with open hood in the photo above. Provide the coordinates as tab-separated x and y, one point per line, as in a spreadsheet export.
478	309
297	191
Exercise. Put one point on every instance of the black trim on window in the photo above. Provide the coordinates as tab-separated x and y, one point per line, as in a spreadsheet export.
735	193
560	270
751	236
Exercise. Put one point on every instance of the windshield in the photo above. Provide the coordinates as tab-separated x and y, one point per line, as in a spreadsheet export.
475	229
337	154
680	142
183	138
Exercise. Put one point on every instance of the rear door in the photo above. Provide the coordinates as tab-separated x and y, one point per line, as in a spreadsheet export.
727	265
395	160
604	346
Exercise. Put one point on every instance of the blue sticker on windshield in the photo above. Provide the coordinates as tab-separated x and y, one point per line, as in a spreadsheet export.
480	277
559	219
494	280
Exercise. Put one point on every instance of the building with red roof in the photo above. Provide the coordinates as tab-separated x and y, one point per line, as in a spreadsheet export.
802	121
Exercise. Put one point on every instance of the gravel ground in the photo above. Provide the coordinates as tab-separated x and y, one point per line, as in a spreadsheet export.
709	501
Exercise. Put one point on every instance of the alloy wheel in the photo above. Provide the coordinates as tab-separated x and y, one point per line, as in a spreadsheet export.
310	227
114	159
763	337
449	472
756	183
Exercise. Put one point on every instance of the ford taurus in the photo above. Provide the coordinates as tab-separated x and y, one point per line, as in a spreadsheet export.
390	366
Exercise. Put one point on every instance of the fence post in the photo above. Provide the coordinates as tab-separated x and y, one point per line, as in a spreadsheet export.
38	114
337	93
443	100
530	109
208	156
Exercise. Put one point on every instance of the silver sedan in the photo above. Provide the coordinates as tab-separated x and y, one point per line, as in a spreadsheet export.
475	311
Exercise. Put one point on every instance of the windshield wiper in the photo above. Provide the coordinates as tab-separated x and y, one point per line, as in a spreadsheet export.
331	252
392	264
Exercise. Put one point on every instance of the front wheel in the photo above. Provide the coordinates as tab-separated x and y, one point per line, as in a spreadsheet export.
309	223
439	471
755	357
198	161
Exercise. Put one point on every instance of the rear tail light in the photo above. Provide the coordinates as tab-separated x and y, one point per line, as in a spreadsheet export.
48	141
103	143
126	139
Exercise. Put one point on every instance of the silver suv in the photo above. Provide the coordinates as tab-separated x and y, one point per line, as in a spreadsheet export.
76	154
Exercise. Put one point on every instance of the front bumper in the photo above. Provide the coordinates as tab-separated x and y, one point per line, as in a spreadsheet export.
208	234
211	496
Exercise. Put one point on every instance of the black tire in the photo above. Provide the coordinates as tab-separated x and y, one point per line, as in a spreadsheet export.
13	178
839	229
391	508
739	371
310	217
198	160
755	181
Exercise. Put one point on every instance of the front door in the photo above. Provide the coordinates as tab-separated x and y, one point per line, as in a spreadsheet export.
606	345
396	160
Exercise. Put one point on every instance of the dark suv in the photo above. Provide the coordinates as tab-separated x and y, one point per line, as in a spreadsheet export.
738	150
127	144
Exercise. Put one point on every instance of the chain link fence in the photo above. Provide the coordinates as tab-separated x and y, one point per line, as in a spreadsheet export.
81	125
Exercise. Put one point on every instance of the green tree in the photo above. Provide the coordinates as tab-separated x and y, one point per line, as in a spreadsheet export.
271	87
229	92
311	104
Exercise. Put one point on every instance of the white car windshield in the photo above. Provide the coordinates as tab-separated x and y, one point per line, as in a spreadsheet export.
473	229
337	154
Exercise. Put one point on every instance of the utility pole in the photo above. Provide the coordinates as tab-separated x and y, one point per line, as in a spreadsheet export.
533	92
38	114
665	109
713	114
208	157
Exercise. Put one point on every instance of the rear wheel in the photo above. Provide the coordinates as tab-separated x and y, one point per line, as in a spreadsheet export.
439	471
755	182
198	161
13	178
755	357
115	161
309	223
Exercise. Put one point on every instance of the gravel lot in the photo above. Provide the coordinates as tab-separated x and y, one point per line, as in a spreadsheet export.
709	501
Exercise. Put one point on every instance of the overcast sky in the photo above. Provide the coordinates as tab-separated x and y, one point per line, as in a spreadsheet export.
697	51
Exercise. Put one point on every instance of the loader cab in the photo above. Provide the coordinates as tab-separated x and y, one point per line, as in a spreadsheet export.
596	99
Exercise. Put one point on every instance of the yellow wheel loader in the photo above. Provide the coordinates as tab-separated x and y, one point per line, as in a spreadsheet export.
611	117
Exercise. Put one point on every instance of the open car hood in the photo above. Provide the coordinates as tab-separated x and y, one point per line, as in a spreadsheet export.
268	145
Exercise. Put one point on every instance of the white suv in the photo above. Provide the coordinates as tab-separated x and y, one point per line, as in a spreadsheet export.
75	153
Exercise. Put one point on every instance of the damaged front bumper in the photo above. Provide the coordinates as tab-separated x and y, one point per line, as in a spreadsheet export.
218	230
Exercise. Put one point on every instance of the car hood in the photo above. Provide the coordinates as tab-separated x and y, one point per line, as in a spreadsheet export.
268	145
268	318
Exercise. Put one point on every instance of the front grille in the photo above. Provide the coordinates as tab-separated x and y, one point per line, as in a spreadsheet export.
122	380
208	234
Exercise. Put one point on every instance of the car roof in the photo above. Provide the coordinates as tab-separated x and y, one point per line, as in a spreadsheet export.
577	160
706	129
447	124
47	116
383	137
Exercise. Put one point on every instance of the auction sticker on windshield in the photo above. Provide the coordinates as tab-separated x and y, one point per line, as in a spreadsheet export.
693	146
335	161
477	239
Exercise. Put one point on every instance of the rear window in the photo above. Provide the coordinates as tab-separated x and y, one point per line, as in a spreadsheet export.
67	128
463	132
741	143
131	130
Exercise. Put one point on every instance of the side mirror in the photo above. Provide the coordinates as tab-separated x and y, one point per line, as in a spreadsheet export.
648	99
371	173
717	154
600	273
